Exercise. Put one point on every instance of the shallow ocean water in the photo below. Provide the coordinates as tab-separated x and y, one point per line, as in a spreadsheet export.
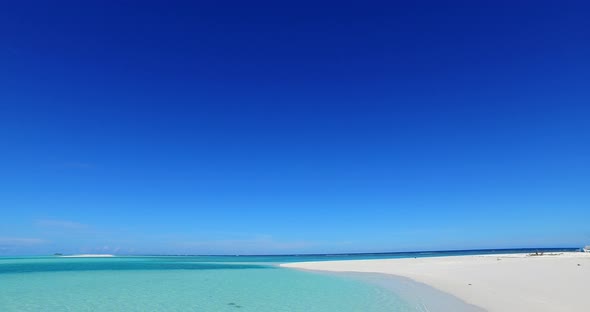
180	284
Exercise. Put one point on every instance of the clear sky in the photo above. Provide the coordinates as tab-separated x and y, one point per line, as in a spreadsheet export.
242	127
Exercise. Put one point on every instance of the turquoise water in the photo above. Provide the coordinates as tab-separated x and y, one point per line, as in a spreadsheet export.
181	284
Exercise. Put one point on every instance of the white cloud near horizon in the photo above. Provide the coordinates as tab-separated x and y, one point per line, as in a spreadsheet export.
254	245
20	241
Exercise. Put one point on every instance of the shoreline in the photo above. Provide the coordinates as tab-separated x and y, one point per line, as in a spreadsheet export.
422	297
503	282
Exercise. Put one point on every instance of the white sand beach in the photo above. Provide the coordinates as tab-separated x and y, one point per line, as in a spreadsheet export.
502	283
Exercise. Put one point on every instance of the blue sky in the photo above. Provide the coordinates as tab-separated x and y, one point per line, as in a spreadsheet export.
193	128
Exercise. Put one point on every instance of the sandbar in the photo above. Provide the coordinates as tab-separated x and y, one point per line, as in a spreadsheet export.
497	283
